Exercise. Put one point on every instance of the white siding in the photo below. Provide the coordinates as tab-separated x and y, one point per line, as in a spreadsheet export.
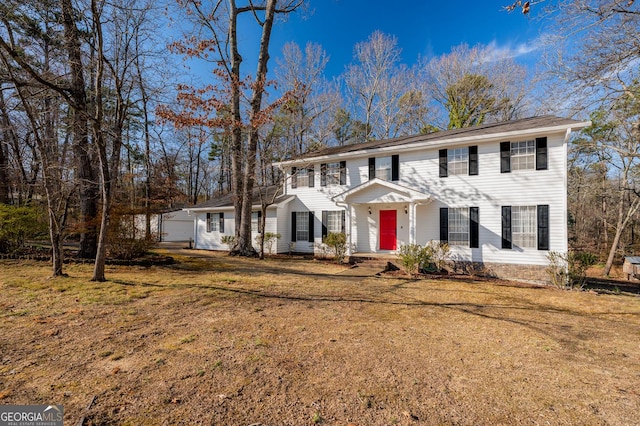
419	170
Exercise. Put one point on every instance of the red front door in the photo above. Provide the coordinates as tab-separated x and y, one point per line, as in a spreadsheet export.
387	229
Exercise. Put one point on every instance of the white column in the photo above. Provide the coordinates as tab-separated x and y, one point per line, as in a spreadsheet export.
349	228
412	223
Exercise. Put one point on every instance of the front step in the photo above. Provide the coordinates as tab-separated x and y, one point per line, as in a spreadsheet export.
383	263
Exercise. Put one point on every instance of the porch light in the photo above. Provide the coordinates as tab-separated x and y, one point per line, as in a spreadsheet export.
369	210
406	211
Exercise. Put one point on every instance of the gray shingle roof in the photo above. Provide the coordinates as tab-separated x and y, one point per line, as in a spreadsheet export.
482	130
226	200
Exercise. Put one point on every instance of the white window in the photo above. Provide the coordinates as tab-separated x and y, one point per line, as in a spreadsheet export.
303	177
334	222
333	173
524	228
383	168
458	161
302	226
215	222
523	155
459	226
256	222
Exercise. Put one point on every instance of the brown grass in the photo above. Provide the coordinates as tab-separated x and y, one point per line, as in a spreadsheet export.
227	341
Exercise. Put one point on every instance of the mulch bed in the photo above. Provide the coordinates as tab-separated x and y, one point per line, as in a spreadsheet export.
44	255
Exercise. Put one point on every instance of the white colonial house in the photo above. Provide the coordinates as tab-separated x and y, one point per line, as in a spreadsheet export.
497	193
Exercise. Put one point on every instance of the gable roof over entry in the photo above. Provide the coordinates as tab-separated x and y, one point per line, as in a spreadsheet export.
381	191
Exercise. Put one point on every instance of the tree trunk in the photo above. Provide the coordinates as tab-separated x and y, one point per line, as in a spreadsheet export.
88	187
244	245
623	221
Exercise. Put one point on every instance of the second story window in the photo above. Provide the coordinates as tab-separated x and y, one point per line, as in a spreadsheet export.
302	177
523	155
458	161
334	173
385	168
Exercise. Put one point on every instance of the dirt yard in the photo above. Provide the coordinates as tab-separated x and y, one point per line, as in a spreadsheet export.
225	341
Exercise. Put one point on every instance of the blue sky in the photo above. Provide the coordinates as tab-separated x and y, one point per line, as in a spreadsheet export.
425	28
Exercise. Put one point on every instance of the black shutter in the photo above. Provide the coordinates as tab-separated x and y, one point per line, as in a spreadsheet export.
372	168
323	174
444	224
443	163
505	157
311	234
474	227
473	160
293	227
343	221
294	177
325	219
506	227
543	227
311	171
395	167
541	153
221	223
343	173
208	222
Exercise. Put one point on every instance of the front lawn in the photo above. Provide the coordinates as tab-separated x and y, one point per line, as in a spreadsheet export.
228	341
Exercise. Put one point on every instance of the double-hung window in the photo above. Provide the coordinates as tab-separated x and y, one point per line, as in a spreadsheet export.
332	222
459	161
256	222
215	222
523	155
385	168
460	226
302	226
302	177
525	227
333	173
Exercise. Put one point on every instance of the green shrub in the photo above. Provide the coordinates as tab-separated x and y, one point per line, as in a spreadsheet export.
17	224
229	240
122	242
413	258
569	270
269	240
337	243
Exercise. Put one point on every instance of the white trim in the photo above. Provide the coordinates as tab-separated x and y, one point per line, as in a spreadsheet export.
231	208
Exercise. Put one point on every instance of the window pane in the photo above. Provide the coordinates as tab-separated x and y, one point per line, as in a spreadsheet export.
459	226
523	155
334	222
302	226
302	177
383	168
458	161
213	221
333	173
254	222
524	226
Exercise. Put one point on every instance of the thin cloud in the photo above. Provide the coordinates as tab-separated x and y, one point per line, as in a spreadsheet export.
496	52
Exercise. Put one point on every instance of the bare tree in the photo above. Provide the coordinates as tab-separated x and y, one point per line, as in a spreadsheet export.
472	86
244	95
